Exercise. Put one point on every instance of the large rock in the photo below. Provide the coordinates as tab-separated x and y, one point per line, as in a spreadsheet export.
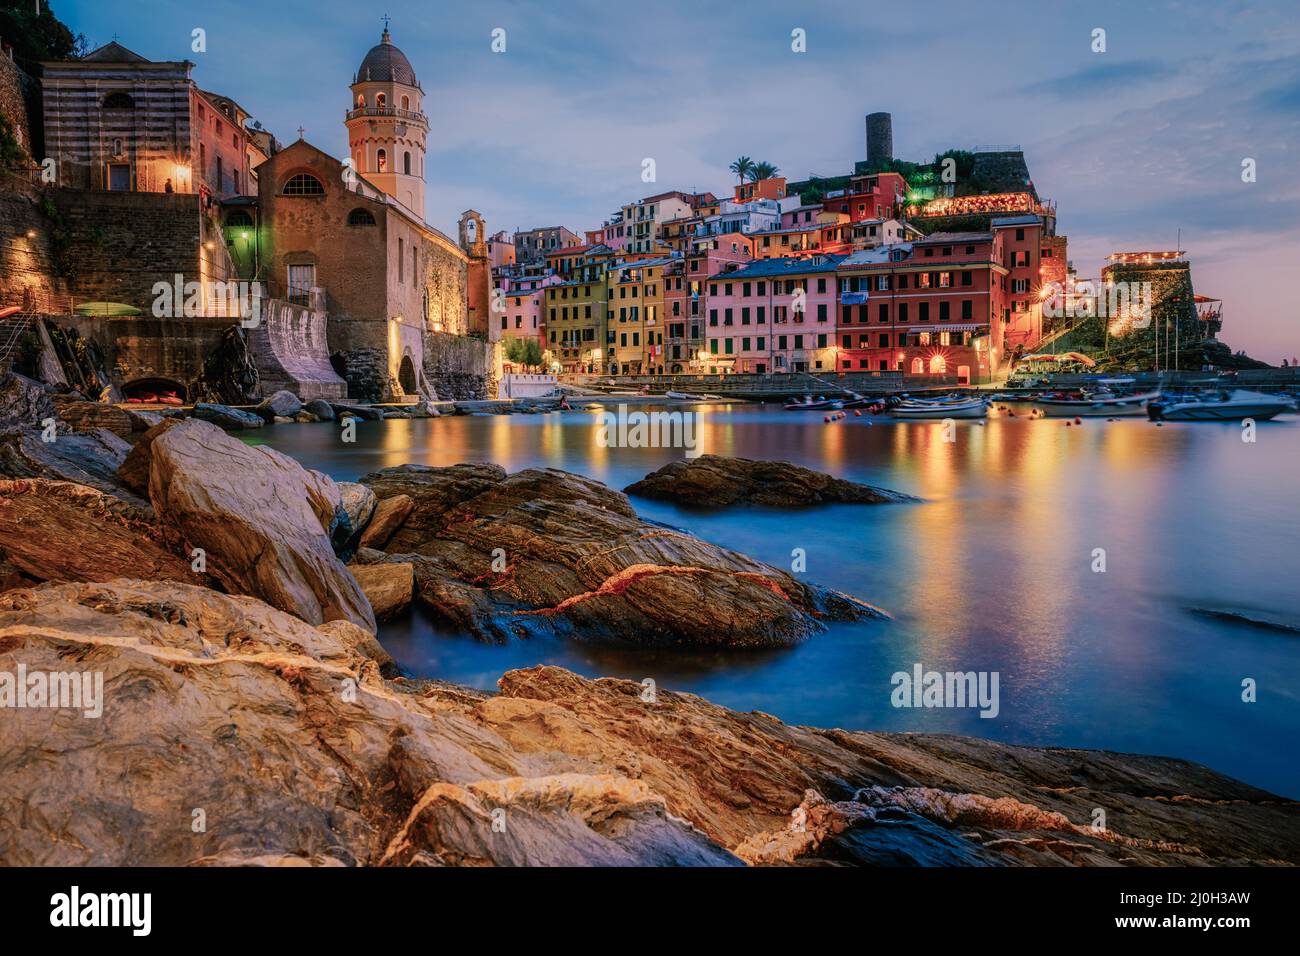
322	409
359	503
263	520
60	531
715	481
296	749
83	416
24	402
548	552
387	518
134	470
227	417
388	586
283	404
89	458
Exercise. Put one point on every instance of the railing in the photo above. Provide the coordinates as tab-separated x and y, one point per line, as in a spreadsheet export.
409	115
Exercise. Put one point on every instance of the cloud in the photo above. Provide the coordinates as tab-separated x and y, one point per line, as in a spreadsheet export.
1105	78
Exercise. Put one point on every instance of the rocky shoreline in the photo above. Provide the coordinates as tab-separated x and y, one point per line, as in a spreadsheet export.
229	598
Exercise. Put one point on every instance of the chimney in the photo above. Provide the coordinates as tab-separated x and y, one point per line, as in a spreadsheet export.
880	139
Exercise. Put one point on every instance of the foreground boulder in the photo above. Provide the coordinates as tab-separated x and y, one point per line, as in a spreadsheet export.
24	402
297	750
60	531
263	520
388	586
548	552
90	458
716	481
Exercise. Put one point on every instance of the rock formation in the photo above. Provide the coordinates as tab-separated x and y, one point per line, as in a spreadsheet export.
295	748
715	481
544	551
263	520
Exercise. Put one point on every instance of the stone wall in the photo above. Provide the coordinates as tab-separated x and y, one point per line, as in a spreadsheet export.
27	262
19	94
458	367
118	244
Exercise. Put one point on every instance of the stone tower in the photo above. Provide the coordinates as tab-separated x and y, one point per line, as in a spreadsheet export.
478	278
880	139
387	128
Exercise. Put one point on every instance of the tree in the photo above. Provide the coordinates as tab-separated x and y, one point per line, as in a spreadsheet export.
523	352
742	167
763	170
37	36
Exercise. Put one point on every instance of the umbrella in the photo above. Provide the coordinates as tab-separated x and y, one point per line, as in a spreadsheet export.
107	308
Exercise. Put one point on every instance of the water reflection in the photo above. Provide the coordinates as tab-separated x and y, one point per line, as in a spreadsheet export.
994	571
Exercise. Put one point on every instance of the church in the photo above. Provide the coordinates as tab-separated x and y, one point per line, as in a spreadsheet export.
358	281
351	236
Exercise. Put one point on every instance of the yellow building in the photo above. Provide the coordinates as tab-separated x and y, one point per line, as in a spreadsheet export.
635	326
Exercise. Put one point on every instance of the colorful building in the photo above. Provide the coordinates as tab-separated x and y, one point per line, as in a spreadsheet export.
933	307
776	315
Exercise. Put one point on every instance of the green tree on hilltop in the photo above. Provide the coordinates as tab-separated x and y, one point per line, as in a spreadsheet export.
37	36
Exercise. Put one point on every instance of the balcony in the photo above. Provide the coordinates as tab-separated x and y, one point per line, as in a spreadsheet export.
375	112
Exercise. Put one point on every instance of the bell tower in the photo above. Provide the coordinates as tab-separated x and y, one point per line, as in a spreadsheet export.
387	128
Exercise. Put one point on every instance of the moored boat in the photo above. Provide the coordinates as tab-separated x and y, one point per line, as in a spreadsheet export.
818	404
1223	406
1097	405
974	408
693	397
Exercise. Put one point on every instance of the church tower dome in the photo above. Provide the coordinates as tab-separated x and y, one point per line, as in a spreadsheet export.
387	128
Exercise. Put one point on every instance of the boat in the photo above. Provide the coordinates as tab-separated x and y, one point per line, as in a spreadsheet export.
971	408
693	397
1220	406
1097	405
818	404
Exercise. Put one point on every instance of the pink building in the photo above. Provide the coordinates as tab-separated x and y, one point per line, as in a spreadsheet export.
776	315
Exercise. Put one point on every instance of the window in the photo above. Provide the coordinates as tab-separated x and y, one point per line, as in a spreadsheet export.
406	162
303	184
360	217
406	102
381	100
884	311
401	259
302	278
966	310
966	277
381	160
118	101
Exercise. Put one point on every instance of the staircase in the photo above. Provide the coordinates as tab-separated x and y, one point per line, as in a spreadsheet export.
13	324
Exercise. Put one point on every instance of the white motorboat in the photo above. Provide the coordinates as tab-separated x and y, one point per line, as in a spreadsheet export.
976	408
810	404
1223	406
1097	405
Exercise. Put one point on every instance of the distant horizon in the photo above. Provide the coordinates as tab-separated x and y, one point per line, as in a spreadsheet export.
1134	144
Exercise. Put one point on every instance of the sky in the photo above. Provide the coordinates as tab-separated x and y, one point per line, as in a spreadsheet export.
1134	143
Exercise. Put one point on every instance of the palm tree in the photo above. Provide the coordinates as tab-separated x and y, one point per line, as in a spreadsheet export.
743	167
763	170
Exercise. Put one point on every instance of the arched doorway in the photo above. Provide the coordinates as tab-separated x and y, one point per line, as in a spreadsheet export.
406	375
938	365
149	390
918	366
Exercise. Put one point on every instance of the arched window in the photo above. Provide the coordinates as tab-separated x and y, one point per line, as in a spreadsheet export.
360	217
918	367
117	147
361	101
406	162
381	100
938	365
406	102
303	184
381	161
119	101
239	220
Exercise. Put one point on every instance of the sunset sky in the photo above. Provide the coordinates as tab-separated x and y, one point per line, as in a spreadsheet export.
1134	144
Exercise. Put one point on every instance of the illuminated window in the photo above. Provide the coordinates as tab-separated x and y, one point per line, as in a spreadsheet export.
381	161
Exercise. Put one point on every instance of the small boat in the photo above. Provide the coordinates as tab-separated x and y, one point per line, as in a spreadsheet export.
818	404
693	397
972	408
1222	406
1097	405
